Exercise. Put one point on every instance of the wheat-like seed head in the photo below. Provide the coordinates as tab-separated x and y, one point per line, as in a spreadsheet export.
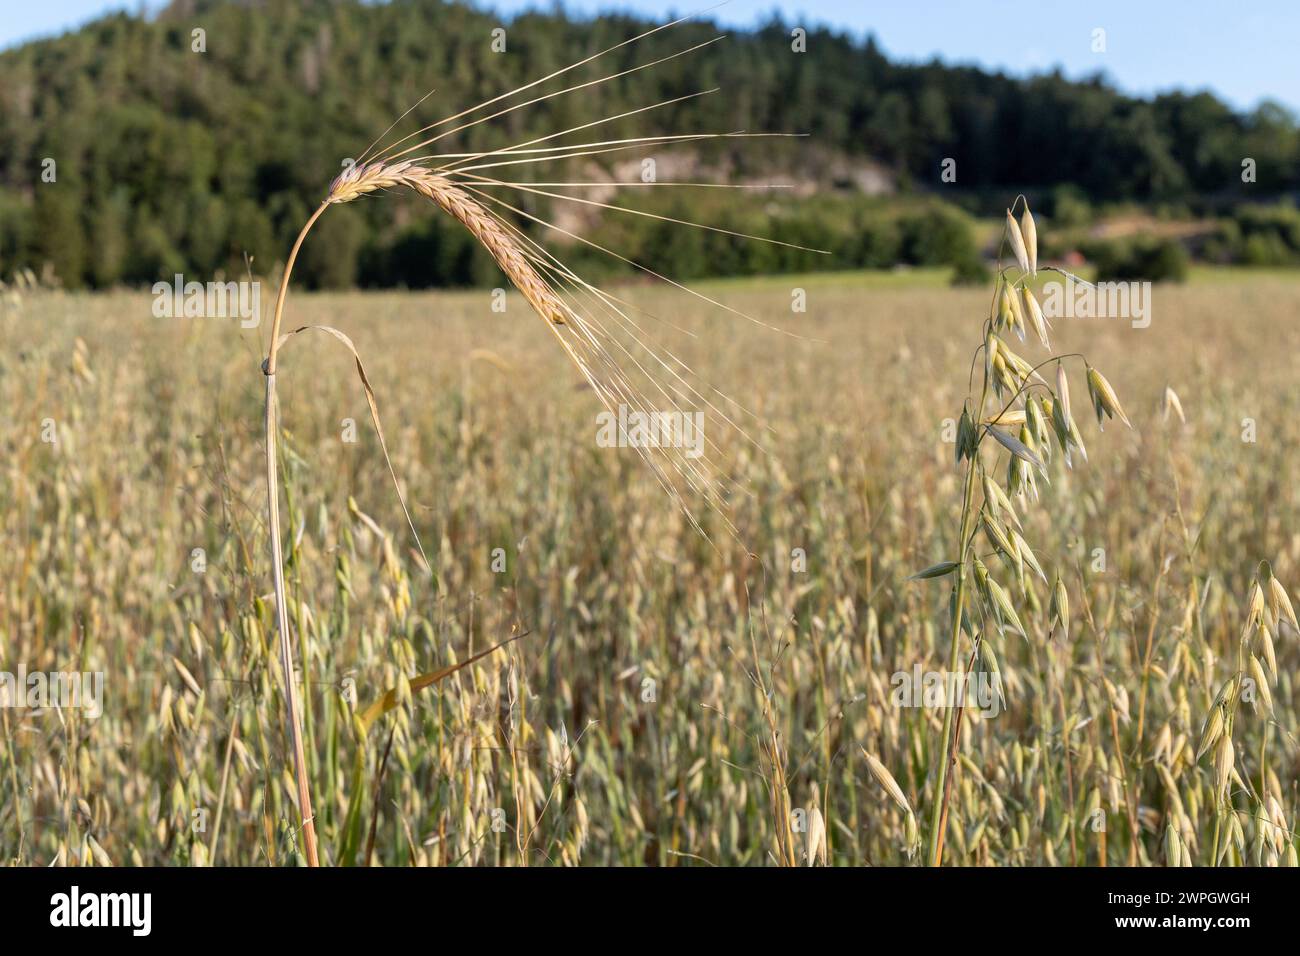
486	228
593	351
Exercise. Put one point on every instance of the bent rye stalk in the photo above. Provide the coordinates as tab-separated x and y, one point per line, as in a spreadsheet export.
354	182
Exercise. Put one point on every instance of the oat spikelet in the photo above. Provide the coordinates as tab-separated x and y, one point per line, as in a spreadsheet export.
887	781
1104	400
1009	417
1172	404
1035	313
1059	611
1211	731
1017	242
1029	232
1282	601
815	849
1063	394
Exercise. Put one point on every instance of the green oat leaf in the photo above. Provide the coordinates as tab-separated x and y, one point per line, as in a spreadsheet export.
935	571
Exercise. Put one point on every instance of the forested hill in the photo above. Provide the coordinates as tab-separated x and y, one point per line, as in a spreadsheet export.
170	158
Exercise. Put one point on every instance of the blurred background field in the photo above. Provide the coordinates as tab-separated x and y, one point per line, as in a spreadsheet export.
626	726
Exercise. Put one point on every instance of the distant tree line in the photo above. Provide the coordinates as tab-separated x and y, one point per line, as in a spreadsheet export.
130	154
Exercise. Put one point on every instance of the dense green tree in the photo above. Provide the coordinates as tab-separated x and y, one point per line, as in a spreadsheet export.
60	234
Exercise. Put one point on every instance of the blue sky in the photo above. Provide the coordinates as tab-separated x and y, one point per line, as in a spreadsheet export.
1243	51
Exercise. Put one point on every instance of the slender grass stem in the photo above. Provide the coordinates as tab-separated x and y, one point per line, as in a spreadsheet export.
277	559
934	852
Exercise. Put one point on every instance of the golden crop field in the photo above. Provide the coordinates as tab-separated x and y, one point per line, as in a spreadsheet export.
672	699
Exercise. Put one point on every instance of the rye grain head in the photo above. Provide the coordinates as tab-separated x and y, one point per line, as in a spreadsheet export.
523	262
487	228
621	363
599	336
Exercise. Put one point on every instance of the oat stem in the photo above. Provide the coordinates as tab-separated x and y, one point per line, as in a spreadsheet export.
938	820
